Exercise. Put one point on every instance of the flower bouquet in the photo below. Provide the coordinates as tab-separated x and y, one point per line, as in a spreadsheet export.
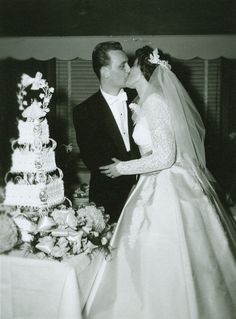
61	233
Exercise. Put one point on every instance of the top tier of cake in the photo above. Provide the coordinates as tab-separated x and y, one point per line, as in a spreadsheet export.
30	131
33	150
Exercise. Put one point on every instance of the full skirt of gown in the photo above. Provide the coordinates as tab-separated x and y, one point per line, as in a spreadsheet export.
173	254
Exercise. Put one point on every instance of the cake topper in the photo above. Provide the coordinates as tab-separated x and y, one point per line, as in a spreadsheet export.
39	106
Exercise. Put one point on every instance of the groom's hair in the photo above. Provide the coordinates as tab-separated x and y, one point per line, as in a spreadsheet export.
100	55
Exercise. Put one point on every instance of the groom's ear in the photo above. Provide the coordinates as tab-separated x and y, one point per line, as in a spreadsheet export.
105	72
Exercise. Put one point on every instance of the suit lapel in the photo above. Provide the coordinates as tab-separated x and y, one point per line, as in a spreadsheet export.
111	125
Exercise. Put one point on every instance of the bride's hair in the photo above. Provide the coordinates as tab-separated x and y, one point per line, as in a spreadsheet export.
143	55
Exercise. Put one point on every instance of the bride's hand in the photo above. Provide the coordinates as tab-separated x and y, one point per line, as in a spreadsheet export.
110	170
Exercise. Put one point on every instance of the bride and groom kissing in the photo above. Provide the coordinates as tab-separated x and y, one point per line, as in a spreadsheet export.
174	244
104	128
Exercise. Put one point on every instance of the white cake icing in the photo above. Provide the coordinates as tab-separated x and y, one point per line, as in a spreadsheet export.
31	180
28	162
30	131
35	195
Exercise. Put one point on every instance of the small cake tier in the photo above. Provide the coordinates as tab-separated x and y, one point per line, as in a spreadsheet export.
28	162
38	195
30	131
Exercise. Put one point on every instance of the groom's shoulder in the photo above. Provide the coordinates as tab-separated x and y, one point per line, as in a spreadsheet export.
88	103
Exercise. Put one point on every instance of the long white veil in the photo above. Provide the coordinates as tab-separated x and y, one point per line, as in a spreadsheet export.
189	133
187	124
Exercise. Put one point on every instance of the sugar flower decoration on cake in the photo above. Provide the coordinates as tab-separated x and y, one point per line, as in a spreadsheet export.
154	58
36	83
34	111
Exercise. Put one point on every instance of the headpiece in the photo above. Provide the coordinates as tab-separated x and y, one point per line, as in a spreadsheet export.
154	58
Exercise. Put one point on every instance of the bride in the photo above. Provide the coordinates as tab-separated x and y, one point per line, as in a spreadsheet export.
174	245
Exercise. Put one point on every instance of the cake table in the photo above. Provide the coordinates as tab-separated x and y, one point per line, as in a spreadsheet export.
45	289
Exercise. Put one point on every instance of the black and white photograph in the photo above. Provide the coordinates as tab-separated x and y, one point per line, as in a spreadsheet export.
117	159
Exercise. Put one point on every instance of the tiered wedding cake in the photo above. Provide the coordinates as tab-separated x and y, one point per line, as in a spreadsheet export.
34	180
35	216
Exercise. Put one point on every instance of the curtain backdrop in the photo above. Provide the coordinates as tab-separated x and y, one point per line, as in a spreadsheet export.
197	61
68	48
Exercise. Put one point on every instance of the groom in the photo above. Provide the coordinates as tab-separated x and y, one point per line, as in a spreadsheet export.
104	128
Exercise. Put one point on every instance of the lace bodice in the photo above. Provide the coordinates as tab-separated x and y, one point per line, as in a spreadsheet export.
153	133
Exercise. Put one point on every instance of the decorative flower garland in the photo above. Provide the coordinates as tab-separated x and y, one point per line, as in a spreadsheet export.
61	233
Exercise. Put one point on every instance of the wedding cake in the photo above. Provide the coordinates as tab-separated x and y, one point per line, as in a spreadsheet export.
36	216
34	180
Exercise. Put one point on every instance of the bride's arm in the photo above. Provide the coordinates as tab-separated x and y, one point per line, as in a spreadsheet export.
164	148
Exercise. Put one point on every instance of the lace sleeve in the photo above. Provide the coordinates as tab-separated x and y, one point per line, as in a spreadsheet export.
163	141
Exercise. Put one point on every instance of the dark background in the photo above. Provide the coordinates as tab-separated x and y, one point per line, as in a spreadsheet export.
116	17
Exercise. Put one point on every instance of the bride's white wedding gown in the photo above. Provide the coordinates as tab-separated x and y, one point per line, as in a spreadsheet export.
172	256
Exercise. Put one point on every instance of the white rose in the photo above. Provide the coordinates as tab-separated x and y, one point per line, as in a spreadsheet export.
104	241
77	242
95	234
76	247
109	235
59	216
45	223
45	244
71	220
86	229
62	242
26	237
24	224
57	251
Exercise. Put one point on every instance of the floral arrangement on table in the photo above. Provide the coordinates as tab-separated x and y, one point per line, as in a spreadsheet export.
62	233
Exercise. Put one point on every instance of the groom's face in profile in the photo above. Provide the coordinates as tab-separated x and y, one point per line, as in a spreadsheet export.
118	68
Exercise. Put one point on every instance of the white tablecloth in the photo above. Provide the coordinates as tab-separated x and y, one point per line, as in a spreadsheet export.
43	289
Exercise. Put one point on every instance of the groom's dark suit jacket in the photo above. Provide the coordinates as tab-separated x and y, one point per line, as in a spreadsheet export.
99	140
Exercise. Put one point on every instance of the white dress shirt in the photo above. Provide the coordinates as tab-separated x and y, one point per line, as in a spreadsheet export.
118	107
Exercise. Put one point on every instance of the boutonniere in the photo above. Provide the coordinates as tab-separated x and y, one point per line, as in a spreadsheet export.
135	108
